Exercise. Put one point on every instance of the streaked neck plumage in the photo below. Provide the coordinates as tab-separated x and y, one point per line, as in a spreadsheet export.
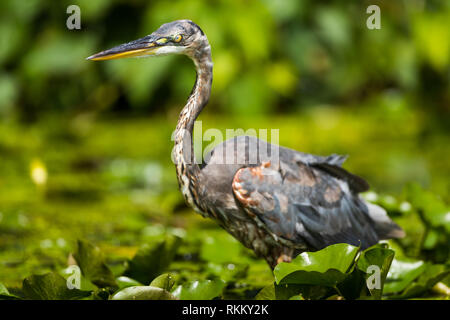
187	168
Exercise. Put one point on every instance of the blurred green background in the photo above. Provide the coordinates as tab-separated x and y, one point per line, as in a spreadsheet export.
85	147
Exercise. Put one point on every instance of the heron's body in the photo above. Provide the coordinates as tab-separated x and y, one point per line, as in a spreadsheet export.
276	201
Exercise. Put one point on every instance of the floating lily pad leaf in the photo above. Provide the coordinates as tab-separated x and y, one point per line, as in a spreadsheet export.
432	275
200	290
3	290
431	239
297	297
50	286
70	273
389	203
9	297
91	262
326	267
353	286
267	293
164	281
143	293
5	295
311	292
375	263
289	291
401	274
434	210
230	249
125	282
278	292
227	271
152	259
103	293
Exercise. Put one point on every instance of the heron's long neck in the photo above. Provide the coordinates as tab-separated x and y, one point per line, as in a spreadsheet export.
186	165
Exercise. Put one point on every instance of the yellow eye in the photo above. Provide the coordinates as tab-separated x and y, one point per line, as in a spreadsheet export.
162	41
177	38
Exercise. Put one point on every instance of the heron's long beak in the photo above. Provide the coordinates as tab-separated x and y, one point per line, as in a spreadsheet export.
141	47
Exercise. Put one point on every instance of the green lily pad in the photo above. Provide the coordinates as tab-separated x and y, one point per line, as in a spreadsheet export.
297	297
85	284
50	286
353	286
152	259
125	282
5	295
434	210
267	293
432	275
292	292
401	274
164	281
326	267
91	262
143	293
227	271
3	289
200	290
375	263
230	249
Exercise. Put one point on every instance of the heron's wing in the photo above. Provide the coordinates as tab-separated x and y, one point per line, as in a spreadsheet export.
306	202
332	165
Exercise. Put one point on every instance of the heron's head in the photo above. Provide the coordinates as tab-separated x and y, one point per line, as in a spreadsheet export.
177	37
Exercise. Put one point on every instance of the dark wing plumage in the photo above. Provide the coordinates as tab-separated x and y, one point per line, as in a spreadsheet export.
307	200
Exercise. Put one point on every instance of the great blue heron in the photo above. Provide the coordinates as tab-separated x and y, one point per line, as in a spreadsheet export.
277	207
